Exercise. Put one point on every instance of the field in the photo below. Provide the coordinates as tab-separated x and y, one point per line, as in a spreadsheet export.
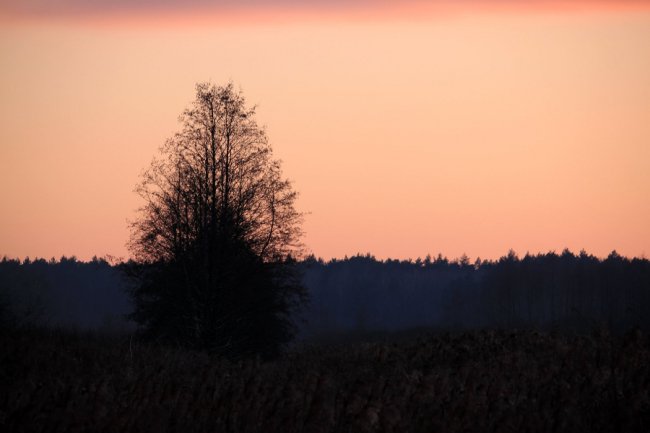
483	381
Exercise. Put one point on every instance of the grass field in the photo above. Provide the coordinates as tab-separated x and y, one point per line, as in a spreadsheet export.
488	381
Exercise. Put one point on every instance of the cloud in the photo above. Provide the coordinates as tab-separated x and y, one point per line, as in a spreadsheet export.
109	6
85	8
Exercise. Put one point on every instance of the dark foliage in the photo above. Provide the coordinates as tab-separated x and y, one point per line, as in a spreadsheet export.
476	381
213	239
361	294
248	314
64	293
544	291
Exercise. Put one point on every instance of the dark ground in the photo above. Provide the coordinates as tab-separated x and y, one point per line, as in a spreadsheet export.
488	381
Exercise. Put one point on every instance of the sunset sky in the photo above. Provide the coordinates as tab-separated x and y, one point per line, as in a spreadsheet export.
407	127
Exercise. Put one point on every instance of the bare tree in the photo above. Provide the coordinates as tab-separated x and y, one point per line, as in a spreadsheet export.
212	241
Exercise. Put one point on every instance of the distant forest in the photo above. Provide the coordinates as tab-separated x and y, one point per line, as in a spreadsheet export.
363	294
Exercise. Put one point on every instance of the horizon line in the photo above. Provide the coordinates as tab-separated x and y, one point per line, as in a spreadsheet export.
116	260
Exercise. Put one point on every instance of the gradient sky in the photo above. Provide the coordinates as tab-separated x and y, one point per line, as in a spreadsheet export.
423	127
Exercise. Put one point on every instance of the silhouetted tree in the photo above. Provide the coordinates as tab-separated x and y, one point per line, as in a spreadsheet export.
214	240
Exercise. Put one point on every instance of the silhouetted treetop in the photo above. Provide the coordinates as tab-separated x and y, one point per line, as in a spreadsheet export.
215	178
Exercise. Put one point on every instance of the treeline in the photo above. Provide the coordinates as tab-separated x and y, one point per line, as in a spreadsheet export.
364	294
65	293
547	291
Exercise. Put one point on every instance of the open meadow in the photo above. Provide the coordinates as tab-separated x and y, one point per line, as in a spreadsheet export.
490	381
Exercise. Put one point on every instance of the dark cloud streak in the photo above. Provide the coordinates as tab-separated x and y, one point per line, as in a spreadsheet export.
83	7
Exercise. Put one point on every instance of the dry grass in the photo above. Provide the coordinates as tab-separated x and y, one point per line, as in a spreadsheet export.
469	382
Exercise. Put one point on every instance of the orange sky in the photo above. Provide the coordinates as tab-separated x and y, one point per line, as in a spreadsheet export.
406	130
